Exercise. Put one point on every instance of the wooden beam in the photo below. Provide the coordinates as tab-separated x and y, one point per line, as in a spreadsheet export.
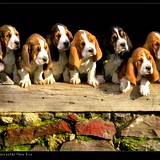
62	97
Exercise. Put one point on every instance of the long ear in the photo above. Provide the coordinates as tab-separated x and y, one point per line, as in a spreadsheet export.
98	55
49	65
155	75
74	59
129	42
26	57
70	36
130	72
54	53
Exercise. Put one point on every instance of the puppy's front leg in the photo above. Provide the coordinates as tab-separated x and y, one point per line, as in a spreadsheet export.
25	79
125	85
91	76
74	74
48	77
144	87
38	78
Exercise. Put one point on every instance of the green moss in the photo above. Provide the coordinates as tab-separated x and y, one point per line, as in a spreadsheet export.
84	138
2	128
18	148
131	143
42	123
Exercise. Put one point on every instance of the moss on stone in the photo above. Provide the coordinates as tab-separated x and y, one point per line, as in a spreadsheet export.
131	143
17	148
84	138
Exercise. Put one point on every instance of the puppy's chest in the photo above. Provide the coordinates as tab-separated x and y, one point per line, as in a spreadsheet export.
86	65
58	66
111	65
9	60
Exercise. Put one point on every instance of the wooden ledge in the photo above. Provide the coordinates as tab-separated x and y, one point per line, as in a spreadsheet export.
62	97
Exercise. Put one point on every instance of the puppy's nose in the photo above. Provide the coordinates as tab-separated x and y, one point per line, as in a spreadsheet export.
66	43
45	59
91	50
148	68
122	44
17	43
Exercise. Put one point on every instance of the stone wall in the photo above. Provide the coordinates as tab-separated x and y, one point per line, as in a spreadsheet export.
87	131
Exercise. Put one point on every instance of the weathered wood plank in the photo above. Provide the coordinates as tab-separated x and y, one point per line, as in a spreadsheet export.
76	98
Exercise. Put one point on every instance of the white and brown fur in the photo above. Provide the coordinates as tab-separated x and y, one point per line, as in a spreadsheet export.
59	42
116	51
84	53
152	44
35	56
9	44
141	68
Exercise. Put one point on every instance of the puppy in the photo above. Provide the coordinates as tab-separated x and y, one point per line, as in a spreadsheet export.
116	51
59	42
152	44
141	68
84	53
35	55
9	44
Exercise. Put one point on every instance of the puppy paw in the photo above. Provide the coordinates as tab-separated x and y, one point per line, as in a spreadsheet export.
75	80
144	90
41	82
93	82
49	80
125	85
25	83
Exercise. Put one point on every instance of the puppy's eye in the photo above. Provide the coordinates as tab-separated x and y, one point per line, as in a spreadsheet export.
8	35
114	38
122	34
38	49
58	36
17	34
45	47
83	44
157	44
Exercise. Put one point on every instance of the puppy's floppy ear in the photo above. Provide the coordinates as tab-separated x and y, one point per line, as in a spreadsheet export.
70	36
49	65
130	71
129	42
54	53
74	58
155	76
98	55
26	57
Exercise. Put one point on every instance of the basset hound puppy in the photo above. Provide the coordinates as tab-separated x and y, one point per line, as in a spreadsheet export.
152	44
141	68
9	44
59	42
116	51
84	53
35	56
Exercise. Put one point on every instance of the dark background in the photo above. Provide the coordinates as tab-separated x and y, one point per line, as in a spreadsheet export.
136	19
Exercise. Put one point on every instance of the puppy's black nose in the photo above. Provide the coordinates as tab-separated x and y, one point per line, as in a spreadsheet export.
17	43
45	59
148	68
122	44
66	43
91	50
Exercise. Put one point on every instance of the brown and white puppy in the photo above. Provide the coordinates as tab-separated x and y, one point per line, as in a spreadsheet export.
9	43
35	55
141	68
59	42
152	44
84	53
